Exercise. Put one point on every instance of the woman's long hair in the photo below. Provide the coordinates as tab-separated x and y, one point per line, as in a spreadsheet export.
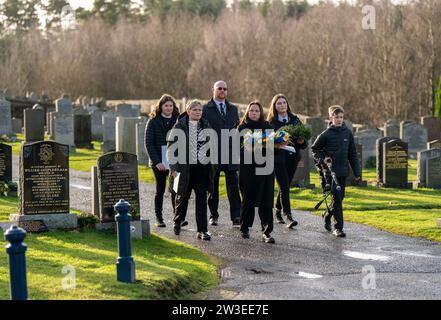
246	118
272	109
158	106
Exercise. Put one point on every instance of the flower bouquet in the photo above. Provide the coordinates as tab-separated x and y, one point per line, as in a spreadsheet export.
259	137
256	138
297	131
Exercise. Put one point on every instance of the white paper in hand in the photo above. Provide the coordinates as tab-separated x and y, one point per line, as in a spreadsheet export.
176	182
164	159
289	148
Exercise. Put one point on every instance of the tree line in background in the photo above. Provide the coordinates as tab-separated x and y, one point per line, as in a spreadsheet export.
317	55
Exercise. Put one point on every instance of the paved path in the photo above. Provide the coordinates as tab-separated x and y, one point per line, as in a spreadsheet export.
306	263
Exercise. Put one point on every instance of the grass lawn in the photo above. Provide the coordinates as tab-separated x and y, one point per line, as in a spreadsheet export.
165	269
408	212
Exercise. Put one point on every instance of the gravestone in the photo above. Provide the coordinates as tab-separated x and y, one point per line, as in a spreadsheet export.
5	162
392	128
379	158
63	129
126	134
5	117
95	193
435	144
117	179
349	125
433	127
61	122
63	105
422	158
127	110
44	185
49	123
17	125
415	135
33	226
33	124
301	177
141	152
109	124
367	138
33	97
83	131
97	125
433	173
395	164
350	180
316	124
79	110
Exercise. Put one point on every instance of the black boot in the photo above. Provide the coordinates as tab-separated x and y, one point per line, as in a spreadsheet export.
160	222
267	238
204	236
279	218
291	222
177	228
339	233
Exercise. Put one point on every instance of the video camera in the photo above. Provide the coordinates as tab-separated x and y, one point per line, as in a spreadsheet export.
328	179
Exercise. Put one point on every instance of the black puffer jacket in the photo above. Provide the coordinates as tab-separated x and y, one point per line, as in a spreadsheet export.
156	137
337	143
282	156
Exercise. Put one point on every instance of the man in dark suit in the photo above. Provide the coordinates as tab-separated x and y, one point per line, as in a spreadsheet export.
221	114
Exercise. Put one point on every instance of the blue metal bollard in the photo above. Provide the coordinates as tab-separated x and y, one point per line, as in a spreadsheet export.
17	262
125	266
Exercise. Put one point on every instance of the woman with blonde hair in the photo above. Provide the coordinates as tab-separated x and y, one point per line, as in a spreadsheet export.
197	174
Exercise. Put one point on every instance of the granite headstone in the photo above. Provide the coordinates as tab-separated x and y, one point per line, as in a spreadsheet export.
415	135
5	162
433	127
395	164
33	125
117	179
433	173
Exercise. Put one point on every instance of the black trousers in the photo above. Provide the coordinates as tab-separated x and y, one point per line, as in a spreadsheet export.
257	192
336	207
284	175
198	181
161	182
232	183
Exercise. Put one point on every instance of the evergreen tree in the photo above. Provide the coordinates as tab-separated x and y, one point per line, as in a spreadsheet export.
20	15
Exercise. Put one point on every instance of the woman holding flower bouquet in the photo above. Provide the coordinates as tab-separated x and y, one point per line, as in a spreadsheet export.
285	159
256	190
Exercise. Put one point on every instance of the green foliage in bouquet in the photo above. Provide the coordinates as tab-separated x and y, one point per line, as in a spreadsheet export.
298	131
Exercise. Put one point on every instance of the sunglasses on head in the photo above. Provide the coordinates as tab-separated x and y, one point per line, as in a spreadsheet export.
221	88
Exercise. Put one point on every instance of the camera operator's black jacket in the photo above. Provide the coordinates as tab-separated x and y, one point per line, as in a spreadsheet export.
337	143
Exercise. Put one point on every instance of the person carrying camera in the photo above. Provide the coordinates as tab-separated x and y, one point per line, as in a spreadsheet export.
335	147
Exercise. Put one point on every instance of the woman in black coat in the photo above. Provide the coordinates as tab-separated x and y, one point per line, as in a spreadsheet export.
285	162
191	171
256	190
162	119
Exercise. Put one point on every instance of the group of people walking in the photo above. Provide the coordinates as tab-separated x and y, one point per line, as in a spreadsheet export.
246	190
